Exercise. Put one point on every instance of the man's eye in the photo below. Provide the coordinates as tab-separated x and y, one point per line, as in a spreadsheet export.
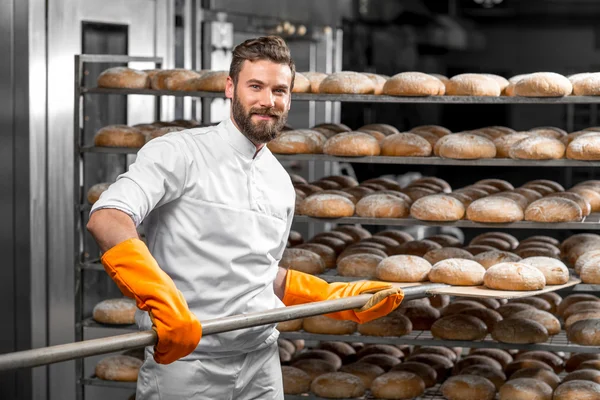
255	87
283	91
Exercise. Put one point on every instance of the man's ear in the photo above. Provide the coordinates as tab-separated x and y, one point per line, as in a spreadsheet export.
229	86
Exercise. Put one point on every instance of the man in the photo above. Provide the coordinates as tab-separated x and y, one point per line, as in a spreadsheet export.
217	208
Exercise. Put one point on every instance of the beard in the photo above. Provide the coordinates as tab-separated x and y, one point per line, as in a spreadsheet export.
261	131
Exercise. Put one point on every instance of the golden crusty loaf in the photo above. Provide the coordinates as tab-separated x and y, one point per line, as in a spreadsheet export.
118	368
456	271
301	84
123	78
514	276
328	326
537	148
543	375
403	268
494	210
337	385
547	357
555	271
314	367
504	143
549	321
462	387
465	146
327	206
405	144
553	209
585	147
588	85
518	330
582	202
295	142
319	354
420	369
364	371
211	81
302	260
382	206
579	389
347	82
315	79
439	207
295	381
525	389
493	257
472	85
352	144
119	136
359	265
413	84
497	377
172	79
398	385
459	327
543	84
115	311
585	332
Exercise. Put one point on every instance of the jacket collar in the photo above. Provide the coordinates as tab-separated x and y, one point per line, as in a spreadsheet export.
238	141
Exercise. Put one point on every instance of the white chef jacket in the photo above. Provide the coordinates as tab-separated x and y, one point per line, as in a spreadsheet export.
217	218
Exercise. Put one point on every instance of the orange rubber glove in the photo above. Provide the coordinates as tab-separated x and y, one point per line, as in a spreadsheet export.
138	275
301	288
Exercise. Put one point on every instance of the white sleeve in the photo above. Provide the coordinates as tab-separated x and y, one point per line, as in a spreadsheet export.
157	177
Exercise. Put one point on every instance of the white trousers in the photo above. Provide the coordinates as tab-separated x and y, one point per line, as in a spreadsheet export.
254	375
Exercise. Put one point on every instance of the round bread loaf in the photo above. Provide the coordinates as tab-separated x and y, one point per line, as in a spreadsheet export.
347	82
463	387
302	260
580	390
581	201
328	326
586	147
576	360
442	365
495	210
290	326
514	276
386	129
347	239
436	130
537	148
537	251
359	265
424	371
493	257
549	132
435	256
420	316
486	302
590	194
378	241
494	375
472	85
301	84
585	332
438	207
510	309
553	209
337	385
579	316
403	268
398	385
579	250
119	136
589	272
115	311
549	321
326	253
95	191
456	271
327	206
495	235
405	145
361	250
488	316
176	79
382	206
525	389
590	364
315	79
119	368
398	235
395	325
592	258
415	192
496	243
555	271
380	349
583	375
572	299
416	247
522	364
575	240
295	381
586	85
343	350
338	245
457	306
498	183
504	143
314	367
439	350
319	354
502	356
364	371
543	84
357	232
459	327
543	375
413	84
352	144
123	78
476	359
465	146
519	331
547	357
384	361
211	81
294	142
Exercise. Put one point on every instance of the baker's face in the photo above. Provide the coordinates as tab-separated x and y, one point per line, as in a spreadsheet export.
261	99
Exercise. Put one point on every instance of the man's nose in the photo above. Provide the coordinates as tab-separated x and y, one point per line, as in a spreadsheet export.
267	99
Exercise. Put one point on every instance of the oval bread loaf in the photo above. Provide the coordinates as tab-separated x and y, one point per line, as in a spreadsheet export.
347	82
403	268
439	207
514	276
413	84
543	84
352	144
327	206
472	85
459	327
456	271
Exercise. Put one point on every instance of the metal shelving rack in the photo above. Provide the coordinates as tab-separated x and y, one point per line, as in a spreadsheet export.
556	343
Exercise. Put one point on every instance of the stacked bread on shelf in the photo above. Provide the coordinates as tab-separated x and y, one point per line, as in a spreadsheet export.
432	199
410	84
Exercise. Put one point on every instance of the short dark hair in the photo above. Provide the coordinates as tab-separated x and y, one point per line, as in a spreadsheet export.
272	48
